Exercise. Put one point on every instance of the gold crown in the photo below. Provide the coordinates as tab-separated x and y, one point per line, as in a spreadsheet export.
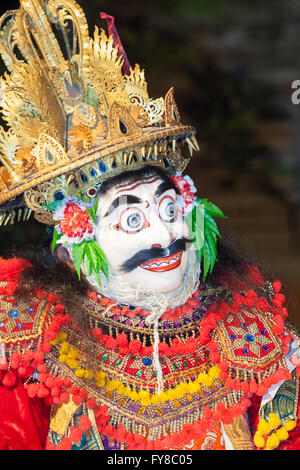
74	118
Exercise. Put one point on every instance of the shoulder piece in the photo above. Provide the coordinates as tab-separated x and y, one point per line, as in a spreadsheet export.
22	320
246	340
250	343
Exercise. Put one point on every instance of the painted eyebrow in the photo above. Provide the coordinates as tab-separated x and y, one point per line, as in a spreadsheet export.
124	199
165	186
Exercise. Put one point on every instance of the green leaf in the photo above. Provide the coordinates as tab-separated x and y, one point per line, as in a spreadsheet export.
91	256
205	232
97	278
96	206
56	237
212	209
92	214
52	206
99	251
195	220
87	264
78	253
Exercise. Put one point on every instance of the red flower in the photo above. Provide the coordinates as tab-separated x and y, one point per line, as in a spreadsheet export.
76	222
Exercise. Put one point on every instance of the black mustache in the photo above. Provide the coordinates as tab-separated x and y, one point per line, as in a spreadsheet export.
144	256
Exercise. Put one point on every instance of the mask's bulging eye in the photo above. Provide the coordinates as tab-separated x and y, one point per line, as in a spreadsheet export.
132	220
167	209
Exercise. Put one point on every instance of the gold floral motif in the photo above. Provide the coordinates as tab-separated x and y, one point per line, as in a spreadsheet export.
25	161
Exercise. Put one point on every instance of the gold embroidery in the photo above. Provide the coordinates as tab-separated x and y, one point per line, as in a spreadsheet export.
61	418
239	434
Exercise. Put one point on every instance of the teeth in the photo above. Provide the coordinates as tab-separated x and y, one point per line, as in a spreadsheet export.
196	145
70	178
143	151
149	151
7	219
174	145
155	149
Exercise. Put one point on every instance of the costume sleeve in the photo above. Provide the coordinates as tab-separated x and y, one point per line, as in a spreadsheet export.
24	421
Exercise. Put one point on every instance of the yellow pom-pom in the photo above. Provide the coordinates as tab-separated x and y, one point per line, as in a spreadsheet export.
263	427
72	363
146	401
194	387
134	395
290	425
259	440
79	372
204	379
282	434
112	385
172	394
100	375
155	399
100	382
62	358
214	372
127	392
73	353
163	396
143	394
274	420
62	336
272	441
121	389
65	347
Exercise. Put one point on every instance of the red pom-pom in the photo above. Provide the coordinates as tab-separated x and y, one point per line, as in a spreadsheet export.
42	368
67	382
253	386
59	308
15	360
214	357
111	343
59	380
32	390
64	444
164	348
9	380
41	294
277	286
121	433
77	400
134	346
84	423
46	347
64	397
91	403
50	381
75	434
122	339
42	391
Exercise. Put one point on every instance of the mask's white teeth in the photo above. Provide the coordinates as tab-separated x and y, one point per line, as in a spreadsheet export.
174	145
191	145
195	142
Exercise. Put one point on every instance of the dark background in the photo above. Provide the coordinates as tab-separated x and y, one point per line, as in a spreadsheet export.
232	64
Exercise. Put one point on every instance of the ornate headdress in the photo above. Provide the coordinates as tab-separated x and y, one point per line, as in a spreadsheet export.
74	117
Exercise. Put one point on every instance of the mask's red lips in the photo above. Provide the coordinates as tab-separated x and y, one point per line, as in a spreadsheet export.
163	264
